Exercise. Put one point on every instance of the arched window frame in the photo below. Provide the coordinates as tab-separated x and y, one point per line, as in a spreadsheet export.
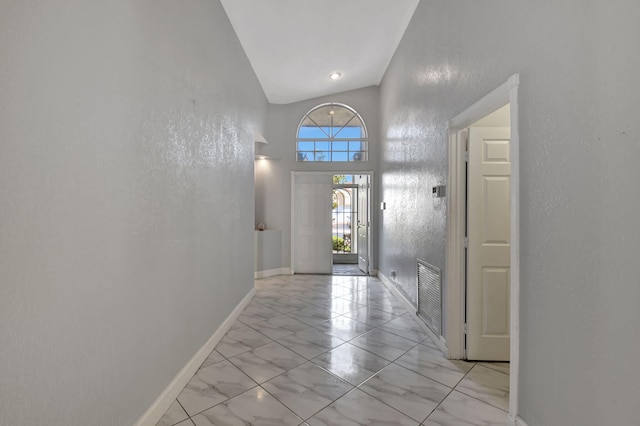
360	151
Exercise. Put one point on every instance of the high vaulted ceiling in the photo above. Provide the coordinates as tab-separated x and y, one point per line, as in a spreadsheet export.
293	45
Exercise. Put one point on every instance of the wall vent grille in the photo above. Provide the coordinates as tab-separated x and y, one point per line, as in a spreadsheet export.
430	296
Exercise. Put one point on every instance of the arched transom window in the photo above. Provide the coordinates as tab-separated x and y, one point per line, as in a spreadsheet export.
332	132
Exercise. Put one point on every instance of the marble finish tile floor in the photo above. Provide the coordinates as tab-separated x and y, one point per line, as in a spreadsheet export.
347	269
336	350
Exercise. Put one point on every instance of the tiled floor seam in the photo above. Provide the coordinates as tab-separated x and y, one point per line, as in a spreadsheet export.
390	406
441	402
484	402
221	402
395	359
305	419
188	416
491	368
471	396
324	301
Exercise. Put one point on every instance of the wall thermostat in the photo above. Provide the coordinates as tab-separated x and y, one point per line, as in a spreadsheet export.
438	191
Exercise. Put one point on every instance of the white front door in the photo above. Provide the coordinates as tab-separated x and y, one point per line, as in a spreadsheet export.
488	253
311	223
363	222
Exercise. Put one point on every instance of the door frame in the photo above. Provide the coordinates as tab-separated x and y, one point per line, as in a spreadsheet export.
507	93
369	202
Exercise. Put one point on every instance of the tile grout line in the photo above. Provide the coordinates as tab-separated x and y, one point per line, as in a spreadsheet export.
283	404
228	360
376	398
471	396
222	402
311	361
488	365
329	372
309	285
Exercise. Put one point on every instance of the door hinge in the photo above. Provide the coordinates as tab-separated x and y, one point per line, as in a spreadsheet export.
466	242
466	156
464	328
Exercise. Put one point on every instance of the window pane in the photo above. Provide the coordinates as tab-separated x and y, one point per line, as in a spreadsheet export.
325	123
322	146
313	132
322	116
305	146
340	146
351	132
340	156
323	156
305	156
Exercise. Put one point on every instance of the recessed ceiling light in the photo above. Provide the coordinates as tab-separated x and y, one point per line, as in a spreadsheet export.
335	75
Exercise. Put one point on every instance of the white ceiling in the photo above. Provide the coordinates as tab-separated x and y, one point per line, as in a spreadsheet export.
293	45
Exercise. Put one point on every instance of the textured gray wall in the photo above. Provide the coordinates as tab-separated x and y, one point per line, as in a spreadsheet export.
126	207
273	178
580	182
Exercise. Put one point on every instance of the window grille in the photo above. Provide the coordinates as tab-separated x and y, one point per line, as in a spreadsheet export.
332	132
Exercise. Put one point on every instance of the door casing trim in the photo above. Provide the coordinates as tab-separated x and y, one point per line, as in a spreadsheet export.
507	93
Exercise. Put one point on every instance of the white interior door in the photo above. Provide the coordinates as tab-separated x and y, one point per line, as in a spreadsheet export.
488	254
363	222
311	233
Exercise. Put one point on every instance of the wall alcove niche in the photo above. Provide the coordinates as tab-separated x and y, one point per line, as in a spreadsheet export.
268	242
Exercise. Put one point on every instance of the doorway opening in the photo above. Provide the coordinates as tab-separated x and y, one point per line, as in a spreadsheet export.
488	243
344	208
336	239
348	214
482	306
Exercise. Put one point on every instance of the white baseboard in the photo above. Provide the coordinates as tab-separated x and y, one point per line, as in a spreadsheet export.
171	392
438	340
517	422
272	273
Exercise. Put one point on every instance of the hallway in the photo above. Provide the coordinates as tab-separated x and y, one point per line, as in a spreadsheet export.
335	350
